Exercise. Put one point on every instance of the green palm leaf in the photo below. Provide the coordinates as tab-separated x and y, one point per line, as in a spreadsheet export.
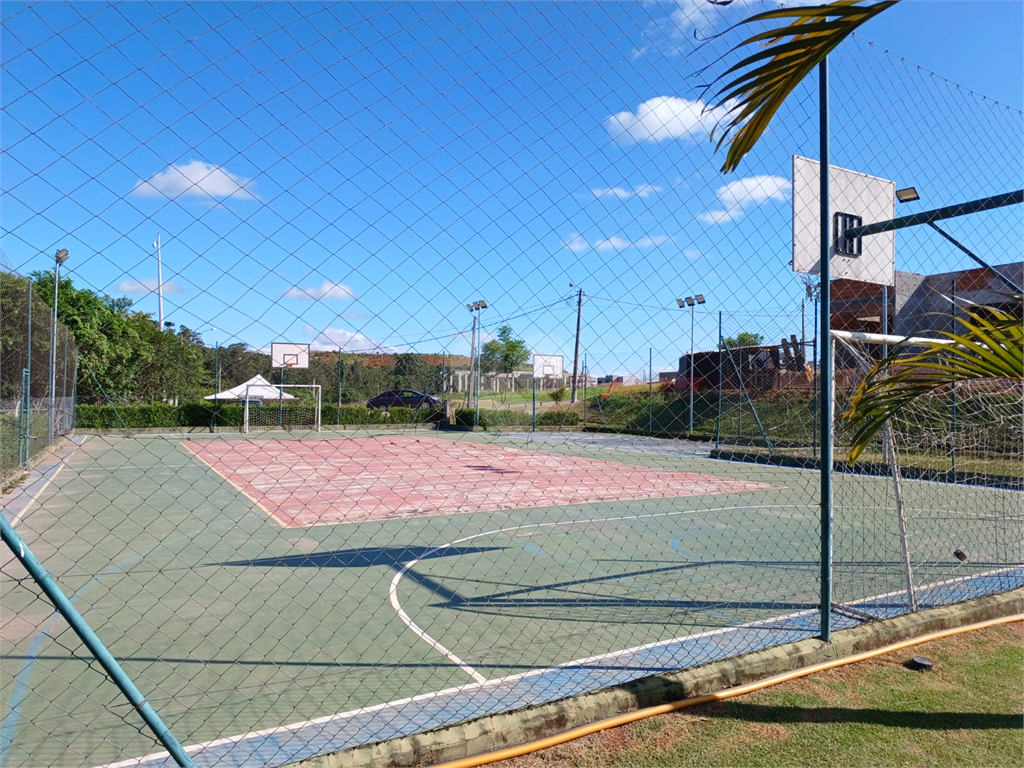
794	50
990	346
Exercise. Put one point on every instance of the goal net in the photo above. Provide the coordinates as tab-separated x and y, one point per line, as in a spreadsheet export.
931	511
289	406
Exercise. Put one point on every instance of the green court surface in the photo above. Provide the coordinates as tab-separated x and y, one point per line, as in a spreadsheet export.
230	623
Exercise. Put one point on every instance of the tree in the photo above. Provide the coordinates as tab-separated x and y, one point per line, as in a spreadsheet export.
412	371
503	354
776	69
745	339
111	351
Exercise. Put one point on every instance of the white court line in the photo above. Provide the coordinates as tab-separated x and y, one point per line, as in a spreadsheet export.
140	761
38	493
419	632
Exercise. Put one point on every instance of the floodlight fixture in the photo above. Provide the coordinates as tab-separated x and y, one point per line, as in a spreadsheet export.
700	298
689	301
483	304
61	256
680	303
907	195
469	307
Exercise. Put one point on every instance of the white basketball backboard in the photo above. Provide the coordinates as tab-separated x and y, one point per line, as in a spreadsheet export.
289	355
547	365
869	198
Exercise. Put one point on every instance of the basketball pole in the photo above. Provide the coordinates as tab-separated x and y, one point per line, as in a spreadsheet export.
825	269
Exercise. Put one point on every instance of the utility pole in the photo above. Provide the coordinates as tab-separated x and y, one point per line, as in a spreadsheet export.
576	356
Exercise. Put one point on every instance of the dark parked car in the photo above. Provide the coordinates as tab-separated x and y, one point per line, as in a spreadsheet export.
403	398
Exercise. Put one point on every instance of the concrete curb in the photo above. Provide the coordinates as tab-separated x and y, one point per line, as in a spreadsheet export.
509	728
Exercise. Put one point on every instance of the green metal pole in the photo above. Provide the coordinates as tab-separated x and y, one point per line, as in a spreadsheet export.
718	421
650	390
23	420
952	430
92	642
826	359
74	393
814	431
533	379
584	392
216	367
28	398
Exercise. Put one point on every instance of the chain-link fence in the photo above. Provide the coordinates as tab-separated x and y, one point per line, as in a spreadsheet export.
37	374
567	422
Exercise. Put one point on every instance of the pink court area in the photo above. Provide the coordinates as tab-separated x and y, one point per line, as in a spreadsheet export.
302	483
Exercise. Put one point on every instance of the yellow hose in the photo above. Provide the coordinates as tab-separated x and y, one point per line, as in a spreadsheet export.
663	709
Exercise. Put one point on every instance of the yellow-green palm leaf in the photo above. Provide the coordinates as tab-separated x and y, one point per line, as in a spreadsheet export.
793	50
990	346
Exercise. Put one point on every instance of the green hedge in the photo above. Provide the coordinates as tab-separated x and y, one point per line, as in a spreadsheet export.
466	418
201	414
559	419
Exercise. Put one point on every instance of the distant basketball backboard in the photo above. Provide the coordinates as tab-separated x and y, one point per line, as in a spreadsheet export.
289	355
547	365
854	199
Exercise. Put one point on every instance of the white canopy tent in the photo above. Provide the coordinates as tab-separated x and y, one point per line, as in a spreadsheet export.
258	388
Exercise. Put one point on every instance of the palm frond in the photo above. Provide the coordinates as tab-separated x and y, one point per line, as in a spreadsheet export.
990	346
794	49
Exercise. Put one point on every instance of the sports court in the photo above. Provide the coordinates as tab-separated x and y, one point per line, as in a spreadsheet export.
310	592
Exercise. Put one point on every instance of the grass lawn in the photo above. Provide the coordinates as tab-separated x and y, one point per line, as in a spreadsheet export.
966	712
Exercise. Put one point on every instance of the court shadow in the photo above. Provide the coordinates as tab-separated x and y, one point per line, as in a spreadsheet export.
495	470
362	557
935	721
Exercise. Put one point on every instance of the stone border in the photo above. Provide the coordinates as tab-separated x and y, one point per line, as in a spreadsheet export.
509	728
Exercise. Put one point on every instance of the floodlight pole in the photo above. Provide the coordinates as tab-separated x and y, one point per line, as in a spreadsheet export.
692	310
826	358
59	258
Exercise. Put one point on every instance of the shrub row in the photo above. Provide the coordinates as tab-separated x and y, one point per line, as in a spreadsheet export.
466	417
203	414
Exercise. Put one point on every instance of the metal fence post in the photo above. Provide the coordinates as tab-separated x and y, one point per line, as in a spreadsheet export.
826	360
718	421
92	642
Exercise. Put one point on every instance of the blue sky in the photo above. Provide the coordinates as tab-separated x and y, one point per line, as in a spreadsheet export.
353	174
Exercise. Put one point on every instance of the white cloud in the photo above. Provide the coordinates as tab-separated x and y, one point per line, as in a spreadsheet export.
616	243
147	285
328	290
346	341
736	196
618	192
354	315
641	190
646	190
675	34
195	179
576	243
665	117
692	253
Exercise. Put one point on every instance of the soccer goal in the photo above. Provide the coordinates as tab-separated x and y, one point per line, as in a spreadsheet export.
287	406
940	478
